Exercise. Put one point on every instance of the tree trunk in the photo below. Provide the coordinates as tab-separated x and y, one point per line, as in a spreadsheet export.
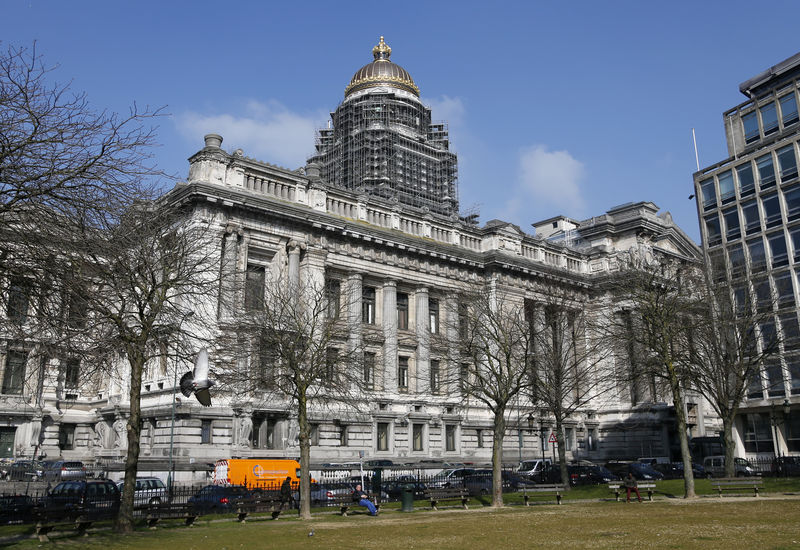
497	457
124	523
562	451
680	419
729	445
305	457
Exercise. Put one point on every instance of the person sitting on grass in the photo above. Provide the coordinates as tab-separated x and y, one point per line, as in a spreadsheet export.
632	485
362	499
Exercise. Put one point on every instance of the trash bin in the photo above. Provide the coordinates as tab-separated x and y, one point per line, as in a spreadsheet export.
407	497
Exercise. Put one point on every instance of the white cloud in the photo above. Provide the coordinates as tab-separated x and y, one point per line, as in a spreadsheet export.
266	131
553	179
448	109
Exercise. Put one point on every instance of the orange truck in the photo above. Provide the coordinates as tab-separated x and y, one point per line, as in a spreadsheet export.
256	472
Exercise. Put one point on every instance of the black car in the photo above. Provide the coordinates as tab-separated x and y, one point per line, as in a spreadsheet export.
15	508
786	466
95	497
641	471
394	488
217	498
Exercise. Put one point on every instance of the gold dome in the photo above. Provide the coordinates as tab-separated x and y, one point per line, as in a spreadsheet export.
381	72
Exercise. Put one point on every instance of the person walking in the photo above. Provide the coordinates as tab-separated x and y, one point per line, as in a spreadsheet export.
632	485
286	492
362	499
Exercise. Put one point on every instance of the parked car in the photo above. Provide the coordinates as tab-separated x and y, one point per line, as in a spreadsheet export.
532	468
480	482
642	472
15	508
715	466
149	490
26	470
786	466
5	467
451	477
61	470
394	488
217	498
96	497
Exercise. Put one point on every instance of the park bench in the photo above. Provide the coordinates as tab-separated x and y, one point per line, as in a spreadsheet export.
257	504
154	513
737	484
545	489
619	488
346	501
446	493
49	518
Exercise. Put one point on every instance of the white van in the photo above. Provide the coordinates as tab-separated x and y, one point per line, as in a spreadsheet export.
532	468
715	466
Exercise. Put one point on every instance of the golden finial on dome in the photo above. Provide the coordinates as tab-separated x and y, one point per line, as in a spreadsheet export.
381	51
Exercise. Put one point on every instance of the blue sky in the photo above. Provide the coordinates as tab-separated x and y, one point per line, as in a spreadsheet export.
554	107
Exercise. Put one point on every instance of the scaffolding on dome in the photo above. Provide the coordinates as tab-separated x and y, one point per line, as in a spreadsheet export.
385	145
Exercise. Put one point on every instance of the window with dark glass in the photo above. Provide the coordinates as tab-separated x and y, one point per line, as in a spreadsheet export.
795	236
736	258
757	433
769	118
750	123
726	191
763	294
709	194
77	310
333	296
769	335
741	300
416	435
463	376
772	211
402	373
754	389
777	248
14	372
450	438
784	288
369	369
788	109
343	436
254	288
766	171
382	439
18	300
435	376
712	230
752	220
479	438
787	163
205	432
774	374
791	331
402	311
792	199
368	305
463	321
793	364
433	309
756	249
331	364
732	228
72	372
717	264
66	437
746	181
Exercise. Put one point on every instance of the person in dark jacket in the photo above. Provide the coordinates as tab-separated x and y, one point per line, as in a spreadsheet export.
632	485
362	499
286	491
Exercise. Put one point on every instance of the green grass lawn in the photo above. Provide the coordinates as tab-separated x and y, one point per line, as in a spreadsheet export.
730	523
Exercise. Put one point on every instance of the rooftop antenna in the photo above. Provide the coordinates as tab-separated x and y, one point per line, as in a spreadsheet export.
696	158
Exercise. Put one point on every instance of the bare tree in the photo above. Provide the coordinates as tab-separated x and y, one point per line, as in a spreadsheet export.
290	344
495	339
731	337
569	351
657	326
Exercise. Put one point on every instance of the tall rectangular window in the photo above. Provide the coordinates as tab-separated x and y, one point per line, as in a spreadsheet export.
788	109
463	321
754	389
777	248
435	376
369	370
787	163
382	439
417	431
712	230
591	439
66	437
772	211
732	228
736	258
402	311
774	373
72	372
752	220
433	309
785	289
769	118
479	438
450	438
709	194
402	373
343	436
757	434
569	434
750	123
726	191
463	377
766	171
790	331
746	180
333	296
792	199
331	364
14	373
763	294
254	288
18	300
794	378
205	432
368	305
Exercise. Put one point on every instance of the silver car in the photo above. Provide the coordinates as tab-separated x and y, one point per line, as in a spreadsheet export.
149	490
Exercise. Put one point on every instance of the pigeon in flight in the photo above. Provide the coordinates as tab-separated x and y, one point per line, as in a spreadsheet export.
197	381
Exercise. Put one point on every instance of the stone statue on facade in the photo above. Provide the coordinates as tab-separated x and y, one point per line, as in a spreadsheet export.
120	433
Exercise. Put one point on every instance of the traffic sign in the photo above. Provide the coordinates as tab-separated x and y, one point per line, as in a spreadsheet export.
553	438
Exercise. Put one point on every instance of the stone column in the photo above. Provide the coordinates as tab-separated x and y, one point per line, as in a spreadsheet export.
227	294
423	354
354	289
450	378
389	374
293	250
